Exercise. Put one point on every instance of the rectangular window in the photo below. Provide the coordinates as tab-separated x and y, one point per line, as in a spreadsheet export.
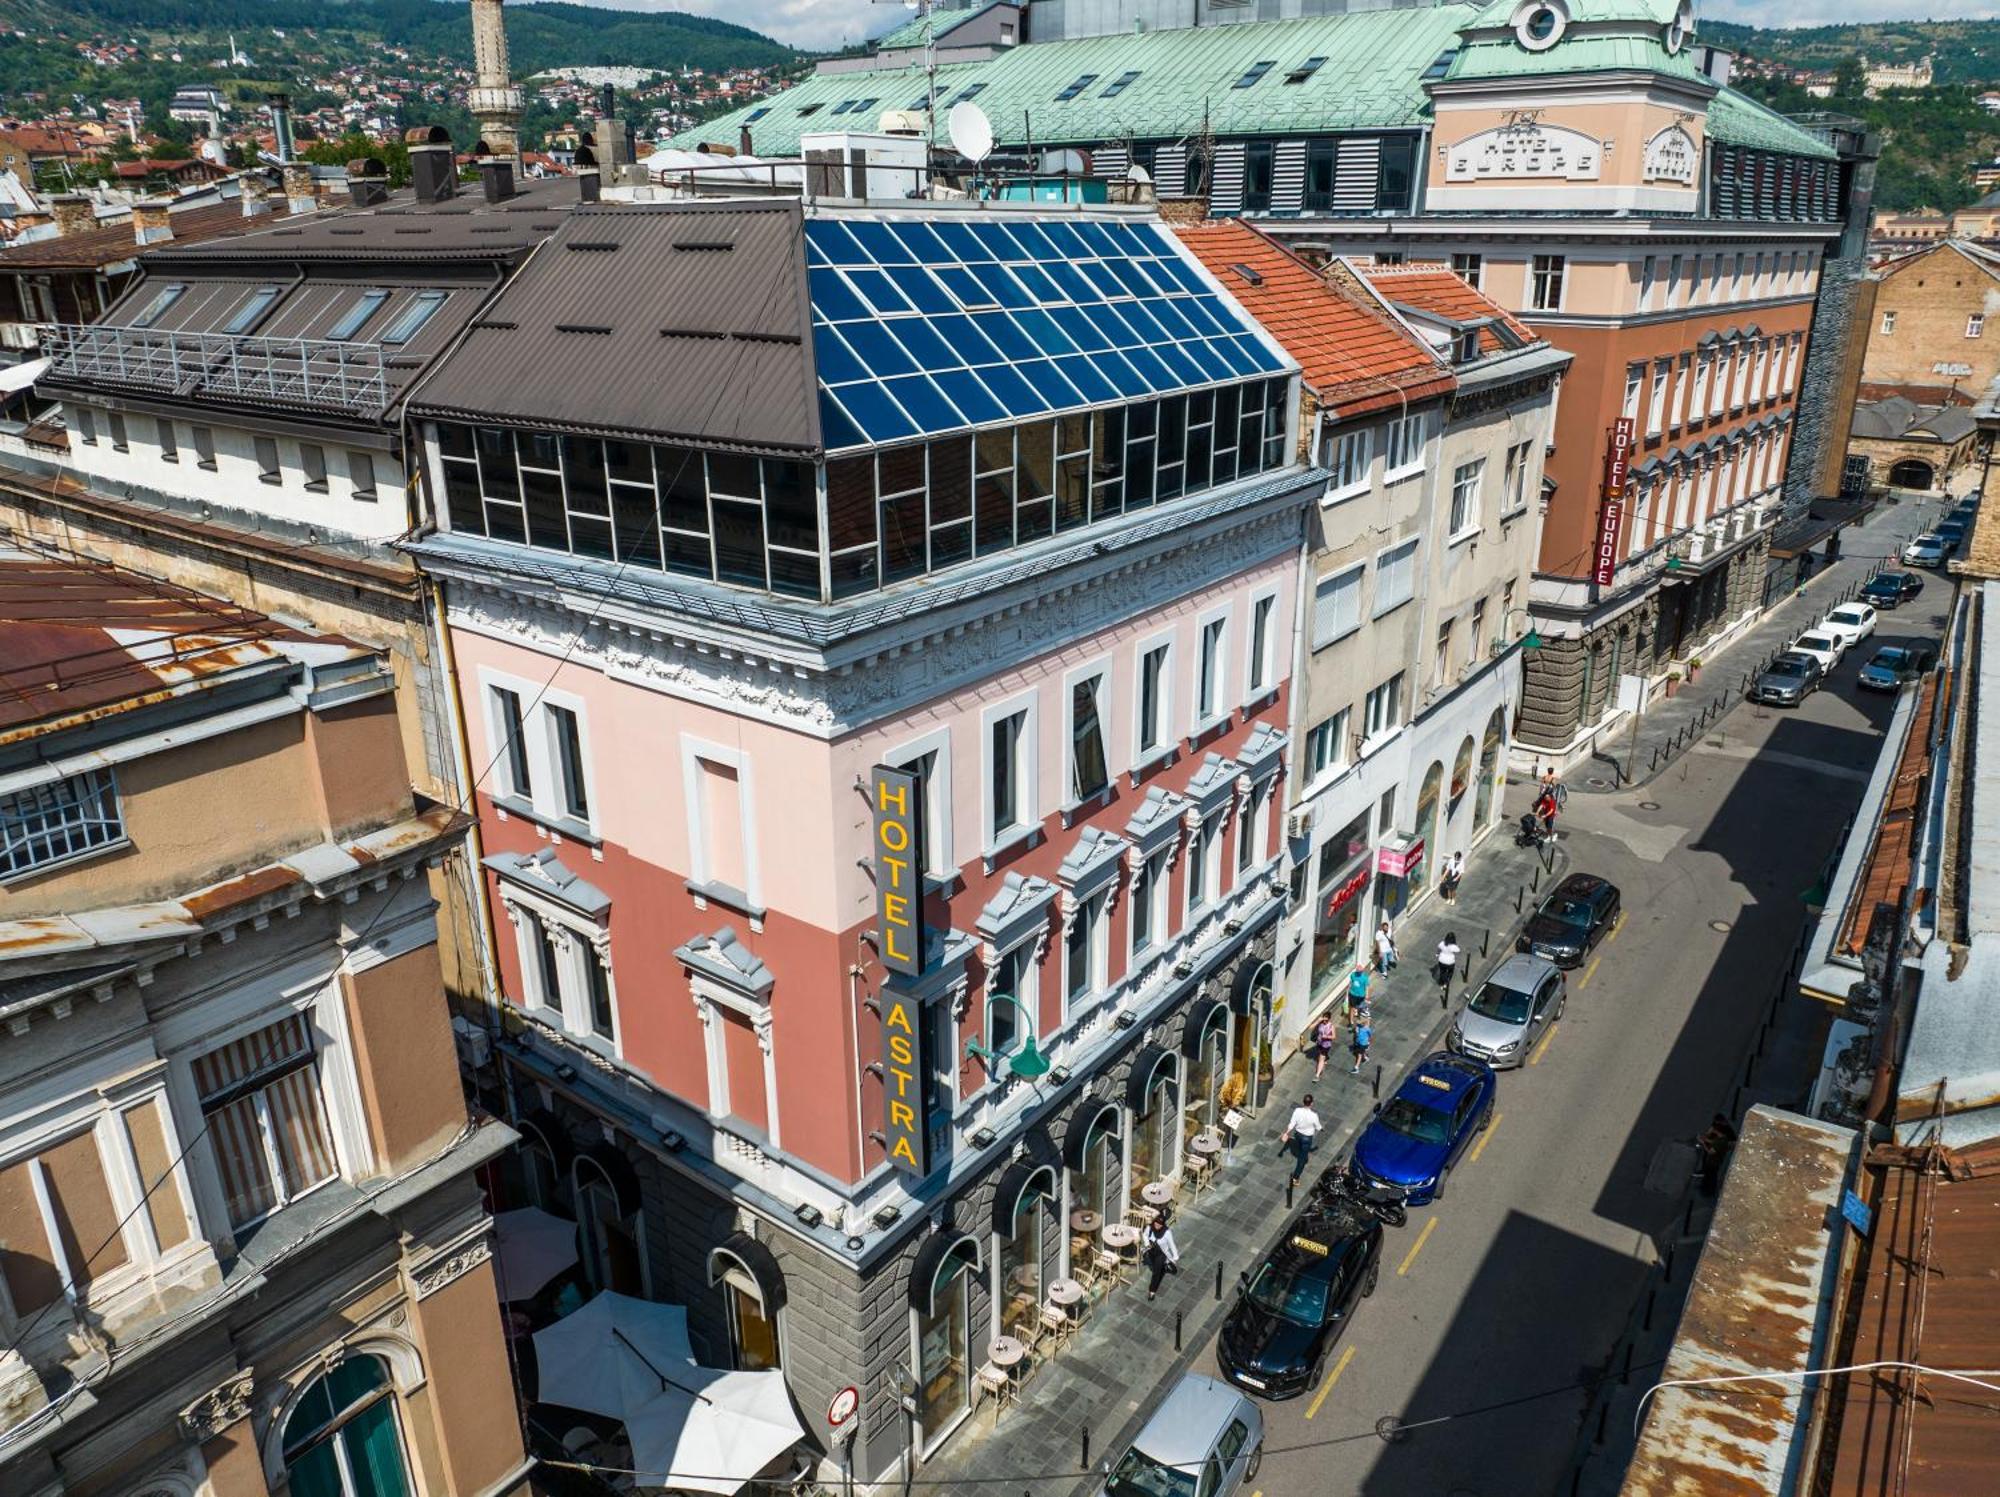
312	458
268	469
261	1108
1209	672
1656	399
1256	71
1258	162
1514	495
1305	70
1648	274
1337	605
357	315
1262	663
1197	868
1477	640
1147	882
1699	407
1081	947
513	743
1635	378
1349	461
1322	157
1404	450
1441	662
1396	576
1072	89
120	441
566	735
170	449
1384	707
361	470
204	447
1888	322
49	824
1088	772
1465	486
1154	683
1975	325
1674	281
1326	745
157	308
247	316
1546	284
86	425
1680	391
598	975
1119	84
1470	269
1007	793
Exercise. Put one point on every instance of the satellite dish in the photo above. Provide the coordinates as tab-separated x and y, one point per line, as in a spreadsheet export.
971	132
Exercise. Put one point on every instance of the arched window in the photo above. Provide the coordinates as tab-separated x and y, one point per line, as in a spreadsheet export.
1461	773
1426	828
607	1209
341	1439
753	1290
1485	804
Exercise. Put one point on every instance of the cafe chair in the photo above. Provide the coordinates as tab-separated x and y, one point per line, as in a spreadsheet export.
993	1382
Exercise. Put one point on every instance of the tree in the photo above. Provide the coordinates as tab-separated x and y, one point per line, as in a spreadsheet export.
1850	82
355	146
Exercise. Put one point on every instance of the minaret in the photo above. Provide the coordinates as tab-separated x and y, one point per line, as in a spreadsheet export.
494	101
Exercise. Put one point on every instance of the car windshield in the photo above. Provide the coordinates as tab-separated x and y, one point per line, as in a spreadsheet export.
1139	1475
1414	1120
1569	911
1814	642
1847	616
1890	660
1504	1004
1291	1293
1790	665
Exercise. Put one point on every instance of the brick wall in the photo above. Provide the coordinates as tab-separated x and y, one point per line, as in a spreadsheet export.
1931	297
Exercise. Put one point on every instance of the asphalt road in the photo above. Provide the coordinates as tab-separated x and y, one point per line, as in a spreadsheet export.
1498	1303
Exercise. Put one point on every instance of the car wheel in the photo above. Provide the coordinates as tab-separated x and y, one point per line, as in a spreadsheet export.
1561	1008
1437	1192
1374	1277
1256	1460
1313	1378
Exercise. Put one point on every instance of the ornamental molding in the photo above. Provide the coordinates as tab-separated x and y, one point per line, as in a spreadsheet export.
452	1264
1526	150
216	1410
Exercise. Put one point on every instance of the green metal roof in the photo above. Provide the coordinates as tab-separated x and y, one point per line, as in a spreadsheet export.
942	22
1739	120
1633	52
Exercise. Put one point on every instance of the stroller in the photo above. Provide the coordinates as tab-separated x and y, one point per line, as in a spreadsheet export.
1531	833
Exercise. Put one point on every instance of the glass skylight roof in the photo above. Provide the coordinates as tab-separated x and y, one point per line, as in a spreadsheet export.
922	328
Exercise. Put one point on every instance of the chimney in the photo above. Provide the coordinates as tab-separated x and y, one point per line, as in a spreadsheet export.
589	186
743	143
496	178
367	182
74	214
256	195
299	194
281	126
433	173
150	223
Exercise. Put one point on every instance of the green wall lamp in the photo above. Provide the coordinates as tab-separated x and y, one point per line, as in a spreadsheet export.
1026	1063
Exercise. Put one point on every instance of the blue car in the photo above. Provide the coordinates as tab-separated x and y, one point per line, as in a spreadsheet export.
1419	1134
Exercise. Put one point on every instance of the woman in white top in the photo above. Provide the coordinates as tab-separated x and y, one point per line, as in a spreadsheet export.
1159	1251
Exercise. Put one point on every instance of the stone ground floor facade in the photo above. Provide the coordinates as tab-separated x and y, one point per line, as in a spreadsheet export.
904	1316
1917	463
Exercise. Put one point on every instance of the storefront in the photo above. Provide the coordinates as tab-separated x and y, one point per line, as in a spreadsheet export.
1340	902
941	1281
1399	866
1093	1175
1023	1208
1205	1053
1152	1098
1252	1020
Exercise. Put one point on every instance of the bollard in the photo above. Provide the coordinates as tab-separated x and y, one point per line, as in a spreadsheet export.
1626	1375
1520	893
1536	886
1645	1323
1290	1184
1218	1278
1485	937
1177	1330
1687	1218
1736	1108
1086	1447
1378	1078
1667	1263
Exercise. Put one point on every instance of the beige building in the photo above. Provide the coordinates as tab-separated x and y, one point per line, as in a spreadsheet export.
1935	333
245	1251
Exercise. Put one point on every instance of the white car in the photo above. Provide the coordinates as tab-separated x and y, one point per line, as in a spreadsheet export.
1924	551
1822	645
1853	622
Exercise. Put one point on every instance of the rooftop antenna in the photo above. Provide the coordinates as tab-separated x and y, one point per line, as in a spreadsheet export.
971	132
926	9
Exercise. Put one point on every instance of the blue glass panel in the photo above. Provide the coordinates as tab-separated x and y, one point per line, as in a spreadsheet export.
1091	385
835	362
1006	290
1162	283
1068	244
965	391
963	242
831	235
1223	316
1057	392
925	346
1039	286
878	290
883	247
1260	357
1034	242
1100	240
1075	285
833	300
922	290
1013	344
1185	369
879	417
1212	365
1114	327
1084	333
1144	324
1226	350
1170	317
1012	391
1199	312
1041	327
836	428
926	405
1128	277
1120	372
963	334
1106	283
814	254
1151	369
1185	275
923	243
880	353
962	284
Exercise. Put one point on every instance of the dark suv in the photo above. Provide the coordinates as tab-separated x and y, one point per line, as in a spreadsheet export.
1292	1309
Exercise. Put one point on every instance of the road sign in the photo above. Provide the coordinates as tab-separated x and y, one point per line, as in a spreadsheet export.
843	1407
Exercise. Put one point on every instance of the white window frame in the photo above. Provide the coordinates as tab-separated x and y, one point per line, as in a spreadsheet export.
1375	734
709	995
1477	267
1205	845
578	941
1359	442
1888	326
1656	398
701	869
1704	366
1333	729
1975	325
1520	463
1100	670
1407	545
1255	690
939	853
1635	380
1466	475
1357	572
1558	271
1157	909
544	802
1165	739
1792	363
1649	274
1095	909
1221	698
1414	429
1029	778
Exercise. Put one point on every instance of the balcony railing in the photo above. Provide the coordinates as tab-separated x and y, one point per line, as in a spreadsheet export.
309	373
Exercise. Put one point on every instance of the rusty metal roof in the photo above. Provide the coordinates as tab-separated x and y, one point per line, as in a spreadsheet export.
1885	874
109	245
1756	1299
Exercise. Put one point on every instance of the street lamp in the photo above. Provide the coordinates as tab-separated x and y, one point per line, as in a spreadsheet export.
1025	1064
1530	641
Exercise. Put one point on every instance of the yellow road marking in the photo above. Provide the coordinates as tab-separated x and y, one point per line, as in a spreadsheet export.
1416	1247
1589	972
1620	925
1480	1147
1543	1048
1326	1387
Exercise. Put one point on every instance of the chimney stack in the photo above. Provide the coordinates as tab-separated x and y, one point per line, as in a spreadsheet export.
589	185
73	213
433	170
743	142
256	195
300	196
496	178
367	182
150	224
281	126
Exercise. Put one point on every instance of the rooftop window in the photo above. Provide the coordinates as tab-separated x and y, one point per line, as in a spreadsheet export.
806	109
253	309
1077	87
756	114
843	106
1257	71
155	309
1119	84
970	91
356	317
1305	70
410	321
1440	65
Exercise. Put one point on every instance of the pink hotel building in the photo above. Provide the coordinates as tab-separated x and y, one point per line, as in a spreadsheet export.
738	503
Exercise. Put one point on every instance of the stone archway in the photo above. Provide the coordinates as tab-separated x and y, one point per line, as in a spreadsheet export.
1912	473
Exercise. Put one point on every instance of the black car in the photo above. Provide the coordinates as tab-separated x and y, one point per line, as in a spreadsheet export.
1292	1309
1574	918
1890	589
1952	533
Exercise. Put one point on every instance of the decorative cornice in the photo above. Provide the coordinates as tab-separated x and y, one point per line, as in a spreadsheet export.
217	1409
455	1262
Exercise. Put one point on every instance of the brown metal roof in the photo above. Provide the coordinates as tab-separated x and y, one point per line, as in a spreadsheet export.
676	322
109	245
1886	873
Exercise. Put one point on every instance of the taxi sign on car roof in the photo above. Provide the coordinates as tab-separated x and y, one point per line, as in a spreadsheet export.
1310	1246
1443	1086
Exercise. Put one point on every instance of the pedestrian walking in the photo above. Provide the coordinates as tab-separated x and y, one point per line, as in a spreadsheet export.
1322	1043
1158	1249
1385	949
1357	986
1454	870
1300	1134
1447	960
1364	1031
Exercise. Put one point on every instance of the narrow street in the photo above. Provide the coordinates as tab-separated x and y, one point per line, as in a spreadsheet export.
1499	1307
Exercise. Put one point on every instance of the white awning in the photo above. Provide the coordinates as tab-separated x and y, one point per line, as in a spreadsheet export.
713	1431
19	376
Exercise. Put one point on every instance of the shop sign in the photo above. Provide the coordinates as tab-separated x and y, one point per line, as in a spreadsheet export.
903	1125
1611	513
899	866
1618	461
1344	892
1397	862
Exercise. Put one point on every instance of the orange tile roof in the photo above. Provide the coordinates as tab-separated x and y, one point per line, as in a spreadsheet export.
1355	356
1438	290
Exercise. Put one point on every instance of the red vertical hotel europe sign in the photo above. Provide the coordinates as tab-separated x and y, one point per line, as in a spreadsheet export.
1611	514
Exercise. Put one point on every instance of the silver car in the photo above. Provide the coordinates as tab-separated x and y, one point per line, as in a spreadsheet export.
1509	1011
1204	1438
1788	681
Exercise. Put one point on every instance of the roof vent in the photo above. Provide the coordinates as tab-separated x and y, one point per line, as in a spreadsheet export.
595	329
1253	277
703	246
433	173
496	178
592	246
367	181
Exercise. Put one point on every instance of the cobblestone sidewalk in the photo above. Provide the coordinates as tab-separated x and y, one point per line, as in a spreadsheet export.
1107	1378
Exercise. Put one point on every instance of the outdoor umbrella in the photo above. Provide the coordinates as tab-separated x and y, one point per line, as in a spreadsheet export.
611	1356
712	1431
532	1247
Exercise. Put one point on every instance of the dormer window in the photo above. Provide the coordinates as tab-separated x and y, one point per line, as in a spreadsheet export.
155	309
1468	345
1539	24
356	316
247	316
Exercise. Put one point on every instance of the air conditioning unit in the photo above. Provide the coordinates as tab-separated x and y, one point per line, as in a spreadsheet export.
474	1047
1298	824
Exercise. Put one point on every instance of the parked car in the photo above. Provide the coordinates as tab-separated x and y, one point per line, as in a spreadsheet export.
1572	919
1789	681
1924	551
1509	1011
1891	589
1895	664
1822	645
1292	1309
1950	534
1204	1437
1409	1147
1853	622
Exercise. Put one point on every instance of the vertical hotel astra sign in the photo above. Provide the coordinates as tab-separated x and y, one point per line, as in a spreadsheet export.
899	872
1611	513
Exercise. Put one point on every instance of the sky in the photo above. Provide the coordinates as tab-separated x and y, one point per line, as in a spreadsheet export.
1826	12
